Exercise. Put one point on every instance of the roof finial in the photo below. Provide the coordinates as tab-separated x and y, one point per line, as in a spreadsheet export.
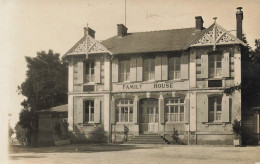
215	19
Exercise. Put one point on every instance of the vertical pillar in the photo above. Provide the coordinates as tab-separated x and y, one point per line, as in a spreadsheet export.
107	73
70	82
70	113
192	68
237	66
193	113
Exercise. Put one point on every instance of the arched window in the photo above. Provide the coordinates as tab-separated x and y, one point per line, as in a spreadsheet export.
174	109
124	111
215	108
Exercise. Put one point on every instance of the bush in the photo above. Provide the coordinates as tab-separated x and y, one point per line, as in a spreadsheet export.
236	127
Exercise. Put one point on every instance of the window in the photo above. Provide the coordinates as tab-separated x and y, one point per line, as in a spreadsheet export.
88	111
149	68
89	72
215	65
215	108
124	68
124	111
102	71
174	110
174	68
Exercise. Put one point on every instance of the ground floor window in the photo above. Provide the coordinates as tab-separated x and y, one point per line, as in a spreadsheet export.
88	111
215	108
124	111
174	110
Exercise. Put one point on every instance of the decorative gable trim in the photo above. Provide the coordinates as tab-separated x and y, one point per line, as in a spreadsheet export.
87	45
213	36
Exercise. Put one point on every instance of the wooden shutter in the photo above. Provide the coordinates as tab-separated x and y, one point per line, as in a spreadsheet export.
113	111
187	110
204	66
139	69
133	69
79	109
225	108
161	109
135	115
97	111
80	72
256	122
158	68
226	64
115	70
97	70
203	100
164	68
184	67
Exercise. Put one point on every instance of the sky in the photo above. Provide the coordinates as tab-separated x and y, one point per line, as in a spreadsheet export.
30	26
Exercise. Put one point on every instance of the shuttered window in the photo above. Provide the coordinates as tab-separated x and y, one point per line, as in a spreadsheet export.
215	108
215	65
124	70
89	72
149	69
174	68
124	111
102	73
174	110
88	111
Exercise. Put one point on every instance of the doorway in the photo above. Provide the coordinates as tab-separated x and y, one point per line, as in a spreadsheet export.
149	116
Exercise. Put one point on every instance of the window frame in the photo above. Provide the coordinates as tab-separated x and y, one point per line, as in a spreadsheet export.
91	114
151	69
215	110
176	73
89	74
169	103
125	70
119	106
215	59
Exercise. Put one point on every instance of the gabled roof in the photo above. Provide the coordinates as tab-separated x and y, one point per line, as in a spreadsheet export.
153	41
87	45
215	35
61	108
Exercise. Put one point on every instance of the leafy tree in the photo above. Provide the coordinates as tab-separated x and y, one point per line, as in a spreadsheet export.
20	134
251	76
10	131
45	86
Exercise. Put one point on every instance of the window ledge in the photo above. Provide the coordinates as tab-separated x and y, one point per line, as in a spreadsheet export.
215	123
121	123
175	123
87	124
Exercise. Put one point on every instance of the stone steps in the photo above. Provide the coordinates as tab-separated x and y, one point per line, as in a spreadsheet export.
147	139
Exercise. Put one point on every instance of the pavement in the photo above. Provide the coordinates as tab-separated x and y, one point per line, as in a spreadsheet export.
135	154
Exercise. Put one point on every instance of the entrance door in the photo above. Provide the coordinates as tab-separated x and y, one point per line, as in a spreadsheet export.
149	116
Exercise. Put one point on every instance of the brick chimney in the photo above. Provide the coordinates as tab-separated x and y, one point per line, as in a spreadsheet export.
89	31
199	23
121	30
239	16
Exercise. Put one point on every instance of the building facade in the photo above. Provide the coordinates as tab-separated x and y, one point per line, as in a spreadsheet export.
154	82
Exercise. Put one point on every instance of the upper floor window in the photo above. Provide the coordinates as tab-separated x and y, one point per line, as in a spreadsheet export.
149	69
174	110
124	70
88	111
174	65
215	65
215	108
89	72
124	111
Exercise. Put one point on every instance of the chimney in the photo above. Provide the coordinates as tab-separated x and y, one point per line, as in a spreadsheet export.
239	15
89	31
121	30
199	23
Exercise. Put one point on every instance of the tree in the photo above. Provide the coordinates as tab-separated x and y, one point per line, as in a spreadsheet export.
251	76
45	86
20	134
10	131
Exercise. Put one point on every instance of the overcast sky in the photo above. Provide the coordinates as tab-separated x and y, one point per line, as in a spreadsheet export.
29	26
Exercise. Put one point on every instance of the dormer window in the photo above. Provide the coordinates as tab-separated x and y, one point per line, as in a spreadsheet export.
89	72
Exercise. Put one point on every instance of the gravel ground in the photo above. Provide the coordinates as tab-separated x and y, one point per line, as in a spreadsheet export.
152	154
